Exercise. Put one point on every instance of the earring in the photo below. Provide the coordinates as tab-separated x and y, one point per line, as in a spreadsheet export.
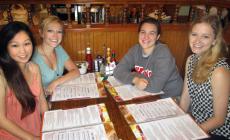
214	43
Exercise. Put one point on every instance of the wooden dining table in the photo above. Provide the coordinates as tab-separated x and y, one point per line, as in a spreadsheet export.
122	128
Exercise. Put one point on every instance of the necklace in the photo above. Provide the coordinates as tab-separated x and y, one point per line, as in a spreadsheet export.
50	63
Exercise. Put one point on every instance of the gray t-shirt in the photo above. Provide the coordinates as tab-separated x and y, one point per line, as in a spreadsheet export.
159	68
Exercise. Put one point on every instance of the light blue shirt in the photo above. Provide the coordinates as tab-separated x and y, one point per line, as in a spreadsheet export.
48	74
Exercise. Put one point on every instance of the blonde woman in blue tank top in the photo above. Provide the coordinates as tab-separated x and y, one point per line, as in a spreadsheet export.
51	57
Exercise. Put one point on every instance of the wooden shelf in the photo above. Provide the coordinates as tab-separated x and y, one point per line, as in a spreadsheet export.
219	3
112	15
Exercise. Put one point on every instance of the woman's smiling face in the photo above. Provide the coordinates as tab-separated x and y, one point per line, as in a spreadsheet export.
52	34
201	38
148	36
20	48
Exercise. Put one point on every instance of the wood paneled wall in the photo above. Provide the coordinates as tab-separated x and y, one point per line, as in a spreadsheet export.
121	39
76	42
177	41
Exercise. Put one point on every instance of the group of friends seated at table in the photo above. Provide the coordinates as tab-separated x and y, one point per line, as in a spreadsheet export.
28	72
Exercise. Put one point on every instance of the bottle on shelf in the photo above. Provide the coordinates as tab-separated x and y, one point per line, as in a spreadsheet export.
89	59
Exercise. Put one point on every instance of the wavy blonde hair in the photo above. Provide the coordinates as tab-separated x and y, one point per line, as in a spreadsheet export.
50	19
215	52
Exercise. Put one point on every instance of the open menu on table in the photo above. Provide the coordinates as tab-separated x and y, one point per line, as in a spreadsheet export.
82	87
161	119
85	123
121	92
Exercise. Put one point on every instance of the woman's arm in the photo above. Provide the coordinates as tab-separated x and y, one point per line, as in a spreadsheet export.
221	91
123	71
5	123
73	72
185	99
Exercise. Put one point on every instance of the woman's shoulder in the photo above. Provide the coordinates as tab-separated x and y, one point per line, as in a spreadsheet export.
222	62
221	68
3	82
190	57
59	48
33	67
221	73
162	50
159	43
63	56
135	49
36	53
162	47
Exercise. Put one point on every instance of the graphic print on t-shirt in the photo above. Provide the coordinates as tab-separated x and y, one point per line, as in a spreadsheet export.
141	70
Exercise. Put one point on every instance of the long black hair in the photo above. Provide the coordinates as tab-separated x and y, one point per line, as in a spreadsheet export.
13	74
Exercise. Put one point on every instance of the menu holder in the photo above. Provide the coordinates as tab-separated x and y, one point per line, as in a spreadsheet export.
161	119
121	92
84	87
89	122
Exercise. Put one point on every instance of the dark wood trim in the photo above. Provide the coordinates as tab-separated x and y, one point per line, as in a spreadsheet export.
118	27
219	3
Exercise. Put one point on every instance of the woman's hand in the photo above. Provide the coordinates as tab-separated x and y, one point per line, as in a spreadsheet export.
48	92
51	87
140	83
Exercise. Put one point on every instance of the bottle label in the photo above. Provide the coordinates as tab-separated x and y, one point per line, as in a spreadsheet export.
96	65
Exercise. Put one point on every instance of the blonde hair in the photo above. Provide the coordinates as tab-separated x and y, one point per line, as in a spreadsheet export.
215	52
50	19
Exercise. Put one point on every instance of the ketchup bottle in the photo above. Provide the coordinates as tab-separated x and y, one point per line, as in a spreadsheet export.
89	59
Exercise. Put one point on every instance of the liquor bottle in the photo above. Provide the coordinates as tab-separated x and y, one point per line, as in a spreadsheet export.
89	59
107	65
104	54
103	61
108	57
